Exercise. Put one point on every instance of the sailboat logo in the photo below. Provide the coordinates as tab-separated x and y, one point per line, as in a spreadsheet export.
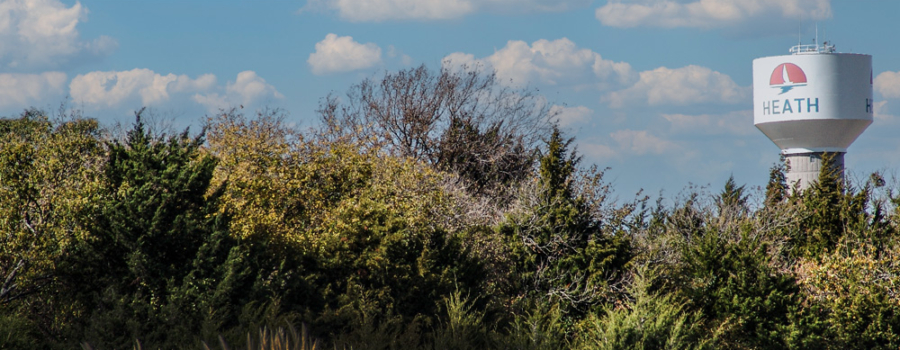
787	76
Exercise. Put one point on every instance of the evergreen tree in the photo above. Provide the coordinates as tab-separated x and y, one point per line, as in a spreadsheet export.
747	304
822	226
482	155
776	188
558	248
732	197
156	250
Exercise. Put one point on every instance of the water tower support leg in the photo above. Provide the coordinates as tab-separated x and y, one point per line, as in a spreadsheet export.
805	167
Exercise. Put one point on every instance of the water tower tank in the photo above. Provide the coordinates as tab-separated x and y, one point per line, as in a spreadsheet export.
812	101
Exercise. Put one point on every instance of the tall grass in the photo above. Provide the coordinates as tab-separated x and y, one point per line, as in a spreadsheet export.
279	338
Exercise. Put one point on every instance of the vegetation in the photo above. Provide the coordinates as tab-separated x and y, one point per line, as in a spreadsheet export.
429	211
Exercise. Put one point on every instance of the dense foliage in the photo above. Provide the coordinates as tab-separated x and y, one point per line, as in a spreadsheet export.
382	230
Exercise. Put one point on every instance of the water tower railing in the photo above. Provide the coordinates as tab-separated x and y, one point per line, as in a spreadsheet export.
812	48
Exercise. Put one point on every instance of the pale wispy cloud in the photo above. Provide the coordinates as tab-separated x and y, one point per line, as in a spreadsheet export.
424	10
641	142
570	116
596	150
731	123
403	58
247	89
708	13
22	90
144	87
520	6
883	113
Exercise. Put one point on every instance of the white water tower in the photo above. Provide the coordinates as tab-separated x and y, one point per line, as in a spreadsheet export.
812	101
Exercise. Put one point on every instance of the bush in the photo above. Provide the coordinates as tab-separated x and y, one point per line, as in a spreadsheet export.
729	278
157	262
853	293
648	321
559	252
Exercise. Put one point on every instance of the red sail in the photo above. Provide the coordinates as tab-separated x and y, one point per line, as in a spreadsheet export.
794	74
777	76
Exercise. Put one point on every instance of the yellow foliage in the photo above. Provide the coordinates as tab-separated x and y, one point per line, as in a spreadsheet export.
49	177
295	191
852	270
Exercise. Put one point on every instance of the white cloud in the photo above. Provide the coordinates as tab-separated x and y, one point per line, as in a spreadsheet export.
113	88
342	54
21	90
247	89
402	57
459	60
596	150
888	84
734	123
680	86
40	34
144	87
568	116
709	13
883	113
557	62
642	142
522	6
384	10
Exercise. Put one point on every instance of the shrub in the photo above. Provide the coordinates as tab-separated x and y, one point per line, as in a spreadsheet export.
730	280
853	292
647	321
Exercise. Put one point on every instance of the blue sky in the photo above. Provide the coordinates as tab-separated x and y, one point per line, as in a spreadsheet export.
657	90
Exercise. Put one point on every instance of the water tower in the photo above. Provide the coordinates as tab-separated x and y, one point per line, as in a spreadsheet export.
810	102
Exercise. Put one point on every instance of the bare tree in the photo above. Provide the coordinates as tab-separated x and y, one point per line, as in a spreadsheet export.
458	120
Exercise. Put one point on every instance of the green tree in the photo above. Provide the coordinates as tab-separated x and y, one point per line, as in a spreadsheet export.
745	302
156	253
776	188
732	198
483	155
834	211
559	251
647	321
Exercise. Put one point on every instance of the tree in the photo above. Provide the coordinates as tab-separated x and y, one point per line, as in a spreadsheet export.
732	197
776	188
559	251
462	121
48	175
156	256
648	321
852	294
745	301
831	208
351	230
